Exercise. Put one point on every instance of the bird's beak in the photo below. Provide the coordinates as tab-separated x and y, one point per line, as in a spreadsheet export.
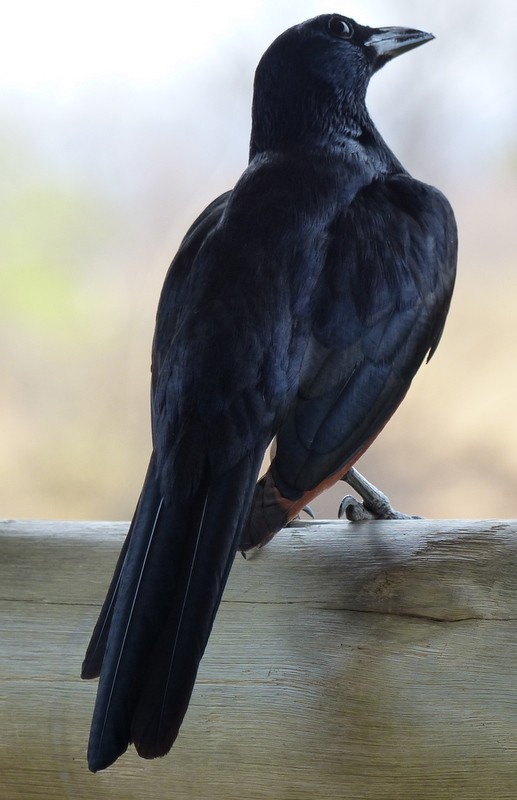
387	43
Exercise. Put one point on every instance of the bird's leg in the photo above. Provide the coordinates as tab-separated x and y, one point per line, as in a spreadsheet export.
375	504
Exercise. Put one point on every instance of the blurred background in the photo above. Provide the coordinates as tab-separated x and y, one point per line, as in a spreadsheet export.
119	122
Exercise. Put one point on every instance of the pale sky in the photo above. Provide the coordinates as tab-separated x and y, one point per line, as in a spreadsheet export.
66	53
66	43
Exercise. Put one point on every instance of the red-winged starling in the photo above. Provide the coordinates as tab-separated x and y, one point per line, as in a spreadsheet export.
298	309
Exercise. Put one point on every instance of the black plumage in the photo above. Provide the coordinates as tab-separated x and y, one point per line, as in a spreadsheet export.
299	306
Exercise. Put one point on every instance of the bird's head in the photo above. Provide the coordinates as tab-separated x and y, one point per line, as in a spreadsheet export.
310	84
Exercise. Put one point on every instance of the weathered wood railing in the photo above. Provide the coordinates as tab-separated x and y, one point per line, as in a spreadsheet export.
351	661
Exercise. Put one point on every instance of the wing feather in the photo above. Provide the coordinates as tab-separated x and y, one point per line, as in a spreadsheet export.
378	310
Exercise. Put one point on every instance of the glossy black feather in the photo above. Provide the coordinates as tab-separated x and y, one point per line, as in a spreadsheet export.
94	655
378	310
299	305
175	570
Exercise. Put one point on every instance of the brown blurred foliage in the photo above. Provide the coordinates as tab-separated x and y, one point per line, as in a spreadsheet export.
94	201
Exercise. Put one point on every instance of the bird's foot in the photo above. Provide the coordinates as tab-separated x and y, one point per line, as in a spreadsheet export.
375	504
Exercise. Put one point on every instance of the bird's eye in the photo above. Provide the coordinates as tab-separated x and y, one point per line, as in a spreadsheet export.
340	27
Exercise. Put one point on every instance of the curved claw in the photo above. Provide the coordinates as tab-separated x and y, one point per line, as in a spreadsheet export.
353	510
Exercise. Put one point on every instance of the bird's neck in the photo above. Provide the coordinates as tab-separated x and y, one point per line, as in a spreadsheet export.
318	118
352	140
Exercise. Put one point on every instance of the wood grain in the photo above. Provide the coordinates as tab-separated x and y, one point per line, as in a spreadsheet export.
366	660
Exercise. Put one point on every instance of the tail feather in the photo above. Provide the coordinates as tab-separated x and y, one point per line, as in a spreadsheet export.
174	662
157	619
94	656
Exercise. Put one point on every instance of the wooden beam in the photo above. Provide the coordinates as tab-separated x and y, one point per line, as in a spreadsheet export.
351	661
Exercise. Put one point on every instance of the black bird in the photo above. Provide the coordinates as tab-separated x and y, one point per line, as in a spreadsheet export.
298	307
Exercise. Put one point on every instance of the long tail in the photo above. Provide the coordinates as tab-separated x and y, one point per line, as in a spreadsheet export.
157	617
